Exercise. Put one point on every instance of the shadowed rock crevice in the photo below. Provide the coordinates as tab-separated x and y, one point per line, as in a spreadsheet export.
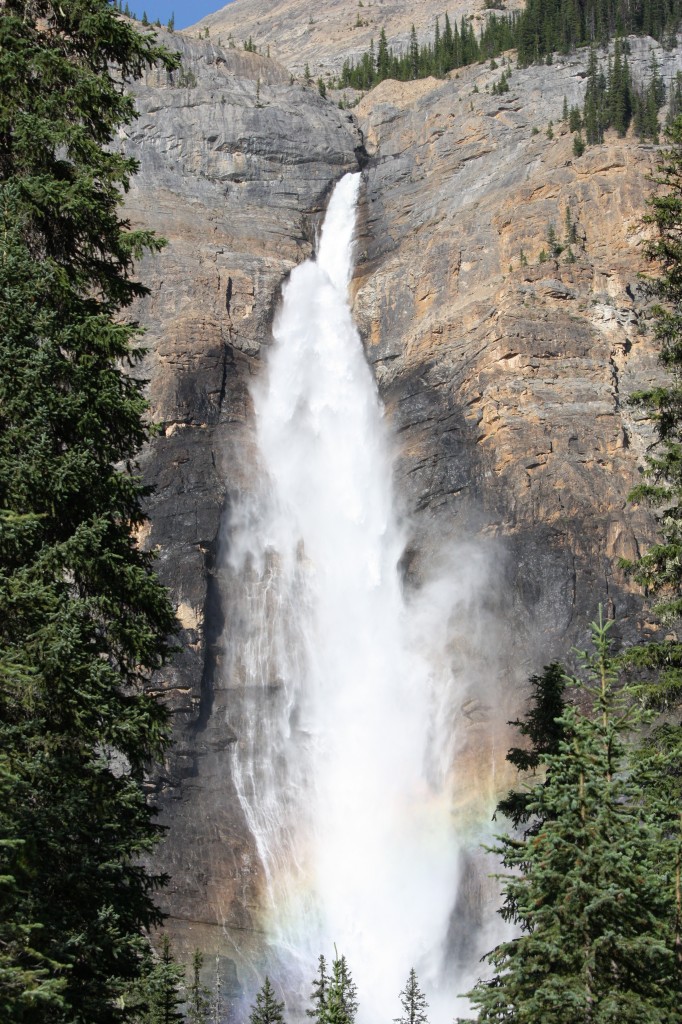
505	376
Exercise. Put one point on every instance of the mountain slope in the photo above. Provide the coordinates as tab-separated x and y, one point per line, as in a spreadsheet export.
325	35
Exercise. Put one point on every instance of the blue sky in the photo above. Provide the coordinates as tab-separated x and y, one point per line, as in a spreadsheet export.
186	11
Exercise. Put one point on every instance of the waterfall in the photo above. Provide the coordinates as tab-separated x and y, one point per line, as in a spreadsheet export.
348	736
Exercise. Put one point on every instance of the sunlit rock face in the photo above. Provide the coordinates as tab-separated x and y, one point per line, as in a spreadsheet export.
235	172
324	37
507	369
504	379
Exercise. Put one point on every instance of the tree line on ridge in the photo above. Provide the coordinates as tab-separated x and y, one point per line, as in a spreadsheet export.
543	28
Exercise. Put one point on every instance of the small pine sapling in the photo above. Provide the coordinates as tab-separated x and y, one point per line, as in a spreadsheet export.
198	997
318	996
268	1009
413	1002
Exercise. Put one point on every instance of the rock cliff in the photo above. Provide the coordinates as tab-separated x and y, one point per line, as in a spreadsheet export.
525	357
505	368
296	34
236	166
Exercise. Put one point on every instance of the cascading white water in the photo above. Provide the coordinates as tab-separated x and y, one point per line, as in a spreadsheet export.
344	765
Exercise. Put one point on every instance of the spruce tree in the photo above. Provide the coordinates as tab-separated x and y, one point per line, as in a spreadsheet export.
268	1009
383	57
659	664
414	54
413	1002
660	570
543	727
342	1000
592	891
161	989
198	996
318	996
83	619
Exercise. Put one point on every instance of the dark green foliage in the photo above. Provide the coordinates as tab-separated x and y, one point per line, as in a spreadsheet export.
454	47
543	729
268	1009
549	26
612	101
575	121
674	100
619	96
571	228
183	77
594	109
83	620
161	990
198	997
413	1002
555	247
593	889
383	66
545	27
502	85
647	102
660	570
578	145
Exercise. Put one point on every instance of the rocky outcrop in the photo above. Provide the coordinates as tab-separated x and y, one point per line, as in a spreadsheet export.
506	376
524	358
323	38
236	165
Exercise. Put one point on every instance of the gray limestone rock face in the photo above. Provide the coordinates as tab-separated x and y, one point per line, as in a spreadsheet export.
235	168
505	367
326	35
505	371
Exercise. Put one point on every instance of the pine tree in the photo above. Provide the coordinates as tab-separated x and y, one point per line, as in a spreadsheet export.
591	890
414	54
161	990
660	570
575	121
413	1002
342	1001
594	102
542	726
268	1009
383	58
318	996
83	620
198	996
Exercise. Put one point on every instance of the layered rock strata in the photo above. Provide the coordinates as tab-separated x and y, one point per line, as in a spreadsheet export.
505	373
525	357
236	165
338	30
